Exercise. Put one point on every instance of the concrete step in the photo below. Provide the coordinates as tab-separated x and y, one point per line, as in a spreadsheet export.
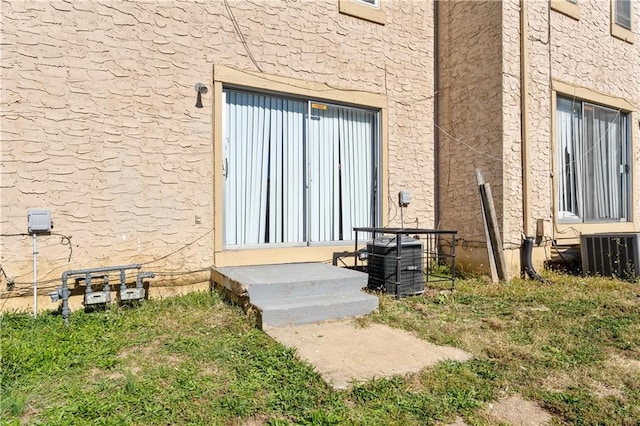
295	280
310	309
298	293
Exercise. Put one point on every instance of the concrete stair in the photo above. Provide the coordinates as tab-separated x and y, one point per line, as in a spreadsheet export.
299	293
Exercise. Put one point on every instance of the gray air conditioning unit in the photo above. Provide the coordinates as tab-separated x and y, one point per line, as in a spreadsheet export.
382	261
611	254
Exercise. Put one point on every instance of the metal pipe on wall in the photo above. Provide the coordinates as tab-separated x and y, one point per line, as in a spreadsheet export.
436	115
64	292
524	122
35	275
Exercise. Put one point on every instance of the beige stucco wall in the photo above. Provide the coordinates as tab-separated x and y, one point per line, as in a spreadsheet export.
470	106
584	54
480	104
99	124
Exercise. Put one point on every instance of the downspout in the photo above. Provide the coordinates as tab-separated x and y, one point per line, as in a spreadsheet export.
436	115
526	250
524	122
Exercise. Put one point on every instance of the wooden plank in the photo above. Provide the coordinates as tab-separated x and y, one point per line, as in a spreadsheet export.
490	253
494	232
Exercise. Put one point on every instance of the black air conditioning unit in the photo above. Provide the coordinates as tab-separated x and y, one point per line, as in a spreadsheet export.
382	264
611	254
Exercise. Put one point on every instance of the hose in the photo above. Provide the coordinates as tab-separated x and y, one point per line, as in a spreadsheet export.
526	266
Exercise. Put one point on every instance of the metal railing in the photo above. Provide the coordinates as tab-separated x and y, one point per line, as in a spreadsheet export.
402	261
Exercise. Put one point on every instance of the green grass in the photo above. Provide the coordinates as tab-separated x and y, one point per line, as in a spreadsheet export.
572	345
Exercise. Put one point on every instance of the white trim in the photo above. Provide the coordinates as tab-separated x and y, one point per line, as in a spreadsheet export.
374	3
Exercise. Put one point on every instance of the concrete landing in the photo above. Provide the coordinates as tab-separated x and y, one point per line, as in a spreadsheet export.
343	353
298	293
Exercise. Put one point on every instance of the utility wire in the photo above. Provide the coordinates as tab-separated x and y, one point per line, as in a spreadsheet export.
65	240
236	27
180	249
68	239
174	273
6	277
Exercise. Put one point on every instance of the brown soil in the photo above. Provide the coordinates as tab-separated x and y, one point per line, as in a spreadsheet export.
516	411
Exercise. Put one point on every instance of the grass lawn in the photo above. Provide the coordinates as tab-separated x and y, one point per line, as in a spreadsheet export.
572	345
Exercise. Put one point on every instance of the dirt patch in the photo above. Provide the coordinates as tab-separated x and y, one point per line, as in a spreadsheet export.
28	416
97	374
258	420
604	391
209	370
516	411
135	357
558	382
342	352
457	422
624	363
541	308
562	381
493	323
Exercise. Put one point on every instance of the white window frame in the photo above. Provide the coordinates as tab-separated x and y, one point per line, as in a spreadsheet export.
570	8
372	3
371	11
616	8
620	30
580	165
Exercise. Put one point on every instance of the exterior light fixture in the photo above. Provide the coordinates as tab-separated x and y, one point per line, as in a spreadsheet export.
201	89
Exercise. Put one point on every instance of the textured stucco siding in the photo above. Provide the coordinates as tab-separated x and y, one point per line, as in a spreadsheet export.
585	54
480	109
470	113
513	213
99	124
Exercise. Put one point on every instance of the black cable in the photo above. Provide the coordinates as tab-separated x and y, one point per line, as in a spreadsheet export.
65	240
6	299
9	288
553	243
173	273
39	282
236	27
27	286
180	249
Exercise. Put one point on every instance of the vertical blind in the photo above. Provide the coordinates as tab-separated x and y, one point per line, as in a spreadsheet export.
296	171
593	160
623	13
569	148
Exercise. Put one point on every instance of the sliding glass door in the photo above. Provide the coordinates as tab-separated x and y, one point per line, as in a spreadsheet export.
297	171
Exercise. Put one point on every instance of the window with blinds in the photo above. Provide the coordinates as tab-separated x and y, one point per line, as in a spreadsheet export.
297	171
593	161
374	3
623	13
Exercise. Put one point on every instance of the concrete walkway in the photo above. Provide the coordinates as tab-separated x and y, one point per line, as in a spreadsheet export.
343	353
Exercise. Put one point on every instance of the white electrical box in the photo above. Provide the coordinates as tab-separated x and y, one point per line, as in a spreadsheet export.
39	221
97	298
404	198
132	294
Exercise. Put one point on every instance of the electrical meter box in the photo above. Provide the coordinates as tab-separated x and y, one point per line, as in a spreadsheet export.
132	294
39	221
404	198
97	298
